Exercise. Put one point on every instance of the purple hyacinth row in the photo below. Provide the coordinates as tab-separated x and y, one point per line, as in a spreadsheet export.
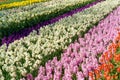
24	32
81	56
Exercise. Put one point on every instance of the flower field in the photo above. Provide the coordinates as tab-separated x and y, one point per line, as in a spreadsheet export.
60	40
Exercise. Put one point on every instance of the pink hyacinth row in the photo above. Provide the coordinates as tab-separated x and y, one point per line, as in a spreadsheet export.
82	55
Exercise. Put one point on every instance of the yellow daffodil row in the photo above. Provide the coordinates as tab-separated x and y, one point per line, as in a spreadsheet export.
17	4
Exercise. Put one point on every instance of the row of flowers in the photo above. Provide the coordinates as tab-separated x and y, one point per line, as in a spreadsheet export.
81	57
109	63
43	12
18	4
25	55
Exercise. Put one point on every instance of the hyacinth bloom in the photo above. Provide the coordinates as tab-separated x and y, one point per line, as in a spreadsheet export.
109	68
81	57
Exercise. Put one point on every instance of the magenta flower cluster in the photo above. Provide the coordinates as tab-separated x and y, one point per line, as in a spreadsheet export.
81	56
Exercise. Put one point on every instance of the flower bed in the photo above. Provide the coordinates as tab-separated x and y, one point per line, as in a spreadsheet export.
25	55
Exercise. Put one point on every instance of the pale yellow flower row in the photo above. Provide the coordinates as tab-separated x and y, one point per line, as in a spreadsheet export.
17	4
